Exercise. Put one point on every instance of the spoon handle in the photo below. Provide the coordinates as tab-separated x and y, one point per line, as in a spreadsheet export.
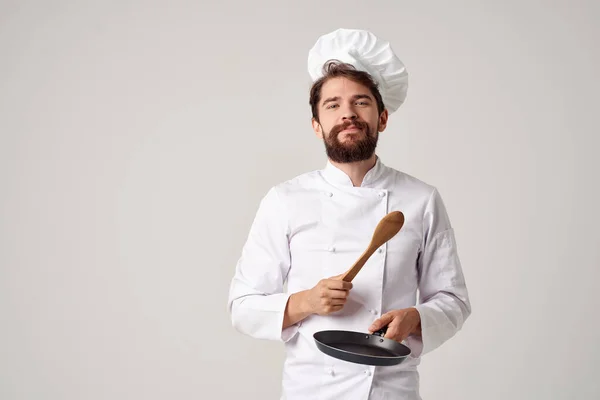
351	273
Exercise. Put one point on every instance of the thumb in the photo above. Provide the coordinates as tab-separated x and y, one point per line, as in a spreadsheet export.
380	322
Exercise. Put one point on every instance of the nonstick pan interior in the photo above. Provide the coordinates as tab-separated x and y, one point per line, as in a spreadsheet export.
361	348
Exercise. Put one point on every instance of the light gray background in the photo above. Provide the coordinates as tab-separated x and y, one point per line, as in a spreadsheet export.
137	138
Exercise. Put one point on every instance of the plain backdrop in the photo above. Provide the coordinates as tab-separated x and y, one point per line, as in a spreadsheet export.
137	138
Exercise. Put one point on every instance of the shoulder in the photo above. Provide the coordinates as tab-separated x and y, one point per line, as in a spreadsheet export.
422	197
302	183
407	183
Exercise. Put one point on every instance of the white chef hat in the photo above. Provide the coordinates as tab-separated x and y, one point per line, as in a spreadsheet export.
368	53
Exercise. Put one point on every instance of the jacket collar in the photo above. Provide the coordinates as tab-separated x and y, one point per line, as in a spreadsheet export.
338	177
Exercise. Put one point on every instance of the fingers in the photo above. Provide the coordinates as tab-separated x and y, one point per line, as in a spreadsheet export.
330	286
334	302
393	331
396	329
379	323
338	284
330	295
396	334
329	305
334	297
337	294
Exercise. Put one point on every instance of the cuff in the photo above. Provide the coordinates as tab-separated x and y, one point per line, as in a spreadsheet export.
289	332
415	342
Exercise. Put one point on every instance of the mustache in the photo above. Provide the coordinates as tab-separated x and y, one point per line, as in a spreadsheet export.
345	125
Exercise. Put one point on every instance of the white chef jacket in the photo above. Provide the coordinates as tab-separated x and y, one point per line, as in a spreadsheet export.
317	225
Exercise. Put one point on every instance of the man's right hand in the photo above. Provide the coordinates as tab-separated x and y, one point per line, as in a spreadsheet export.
328	296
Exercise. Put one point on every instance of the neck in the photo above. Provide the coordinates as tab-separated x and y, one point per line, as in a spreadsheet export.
356	171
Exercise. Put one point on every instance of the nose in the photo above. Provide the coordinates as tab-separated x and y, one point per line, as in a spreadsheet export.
349	114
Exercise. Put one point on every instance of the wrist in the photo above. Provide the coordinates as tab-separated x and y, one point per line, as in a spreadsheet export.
299	304
296	309
304	304
417	317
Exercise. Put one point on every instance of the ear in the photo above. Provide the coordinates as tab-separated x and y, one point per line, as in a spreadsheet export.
317	128
383	118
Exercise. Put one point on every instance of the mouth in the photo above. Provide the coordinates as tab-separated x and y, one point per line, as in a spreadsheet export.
351	128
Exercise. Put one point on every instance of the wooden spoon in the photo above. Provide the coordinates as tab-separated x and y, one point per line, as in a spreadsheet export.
387	228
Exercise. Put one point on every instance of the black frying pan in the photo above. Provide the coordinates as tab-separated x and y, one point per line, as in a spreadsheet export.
361	348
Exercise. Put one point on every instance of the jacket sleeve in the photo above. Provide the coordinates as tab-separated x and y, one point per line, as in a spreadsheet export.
443	297
257	300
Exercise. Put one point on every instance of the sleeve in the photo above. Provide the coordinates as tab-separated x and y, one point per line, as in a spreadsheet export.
444	303
257	300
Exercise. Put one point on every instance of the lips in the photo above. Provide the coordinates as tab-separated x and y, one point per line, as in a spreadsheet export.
349	128
352	128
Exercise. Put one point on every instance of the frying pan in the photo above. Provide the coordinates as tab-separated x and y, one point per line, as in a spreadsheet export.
362	348
365	348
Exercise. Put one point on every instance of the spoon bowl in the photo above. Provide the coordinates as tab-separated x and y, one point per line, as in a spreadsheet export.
386	229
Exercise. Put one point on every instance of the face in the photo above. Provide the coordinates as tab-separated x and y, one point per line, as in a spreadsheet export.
349	122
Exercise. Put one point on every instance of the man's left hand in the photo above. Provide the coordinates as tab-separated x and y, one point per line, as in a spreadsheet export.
400	324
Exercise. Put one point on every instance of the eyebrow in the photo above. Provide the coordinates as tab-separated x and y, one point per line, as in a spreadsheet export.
354	98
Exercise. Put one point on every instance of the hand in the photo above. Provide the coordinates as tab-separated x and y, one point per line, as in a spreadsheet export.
400	324
328	296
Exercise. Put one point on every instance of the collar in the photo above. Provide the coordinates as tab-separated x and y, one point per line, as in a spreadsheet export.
338	177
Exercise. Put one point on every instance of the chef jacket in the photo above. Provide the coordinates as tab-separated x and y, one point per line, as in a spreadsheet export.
316	226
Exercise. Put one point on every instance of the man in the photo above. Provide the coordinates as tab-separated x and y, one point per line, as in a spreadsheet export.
311	229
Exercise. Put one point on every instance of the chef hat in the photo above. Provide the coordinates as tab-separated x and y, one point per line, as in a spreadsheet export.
368	53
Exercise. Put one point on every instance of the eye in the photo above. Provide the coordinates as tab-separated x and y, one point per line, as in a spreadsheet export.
331	106
362	103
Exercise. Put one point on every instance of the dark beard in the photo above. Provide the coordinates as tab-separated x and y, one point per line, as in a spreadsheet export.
357	150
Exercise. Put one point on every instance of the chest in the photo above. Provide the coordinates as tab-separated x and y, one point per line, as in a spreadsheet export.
331	228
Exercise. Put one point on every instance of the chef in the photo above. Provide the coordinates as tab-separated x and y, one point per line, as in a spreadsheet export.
311	229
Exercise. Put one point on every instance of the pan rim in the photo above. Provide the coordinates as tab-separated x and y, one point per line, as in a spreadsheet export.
409	351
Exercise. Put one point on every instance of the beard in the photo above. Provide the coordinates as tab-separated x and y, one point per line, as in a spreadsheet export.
354	149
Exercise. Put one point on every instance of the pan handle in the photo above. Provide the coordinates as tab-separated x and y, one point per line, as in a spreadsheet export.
381	332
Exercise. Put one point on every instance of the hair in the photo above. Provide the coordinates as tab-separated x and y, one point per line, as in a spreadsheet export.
335	69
